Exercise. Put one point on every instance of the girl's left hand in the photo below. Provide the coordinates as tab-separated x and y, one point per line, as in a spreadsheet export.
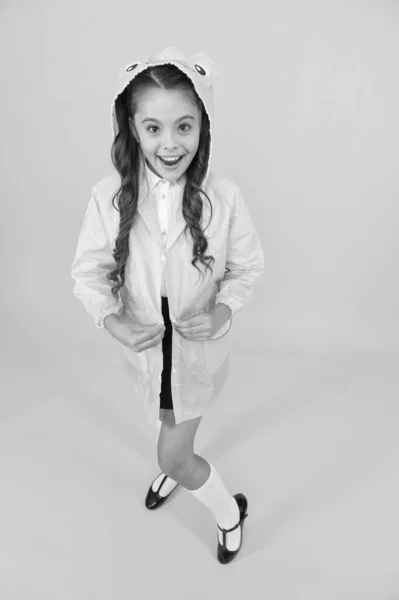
201	327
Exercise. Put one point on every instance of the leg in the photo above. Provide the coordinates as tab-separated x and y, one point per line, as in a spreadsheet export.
176	456
177	459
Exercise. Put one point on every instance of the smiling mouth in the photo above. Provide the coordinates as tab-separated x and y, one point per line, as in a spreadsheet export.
170	161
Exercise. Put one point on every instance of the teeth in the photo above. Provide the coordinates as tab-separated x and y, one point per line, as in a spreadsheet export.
170	159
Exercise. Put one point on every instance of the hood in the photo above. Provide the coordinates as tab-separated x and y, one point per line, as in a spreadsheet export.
199	68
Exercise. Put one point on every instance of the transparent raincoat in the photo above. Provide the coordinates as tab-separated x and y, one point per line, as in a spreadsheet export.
199	368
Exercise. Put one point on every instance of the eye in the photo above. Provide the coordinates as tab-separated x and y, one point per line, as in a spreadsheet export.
182	125
201	70
131	67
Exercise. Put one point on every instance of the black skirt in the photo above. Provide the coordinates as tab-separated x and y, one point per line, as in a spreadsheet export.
166	387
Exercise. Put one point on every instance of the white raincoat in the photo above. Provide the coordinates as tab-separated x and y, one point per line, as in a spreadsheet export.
199	368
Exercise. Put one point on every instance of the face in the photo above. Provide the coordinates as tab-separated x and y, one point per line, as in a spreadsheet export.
167	125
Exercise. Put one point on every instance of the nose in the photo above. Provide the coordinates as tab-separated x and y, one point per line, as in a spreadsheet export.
168	142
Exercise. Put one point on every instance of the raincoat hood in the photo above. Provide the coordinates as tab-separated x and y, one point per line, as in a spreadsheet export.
199	68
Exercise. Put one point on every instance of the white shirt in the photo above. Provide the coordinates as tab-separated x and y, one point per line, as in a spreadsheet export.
166	196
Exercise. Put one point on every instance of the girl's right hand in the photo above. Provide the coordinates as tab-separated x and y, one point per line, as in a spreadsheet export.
134	336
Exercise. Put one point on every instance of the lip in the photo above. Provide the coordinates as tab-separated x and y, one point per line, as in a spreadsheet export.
172	167
171	156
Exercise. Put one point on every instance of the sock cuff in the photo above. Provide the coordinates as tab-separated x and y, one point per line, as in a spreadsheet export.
199	491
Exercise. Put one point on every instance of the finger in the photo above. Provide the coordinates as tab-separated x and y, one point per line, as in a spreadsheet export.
191	326
149	343
193	332
200	337
193	322
182	333
153	337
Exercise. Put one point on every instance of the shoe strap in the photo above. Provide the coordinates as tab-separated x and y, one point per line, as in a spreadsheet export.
162	482
235	526
228	530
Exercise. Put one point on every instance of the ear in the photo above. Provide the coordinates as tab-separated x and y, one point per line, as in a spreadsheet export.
133	130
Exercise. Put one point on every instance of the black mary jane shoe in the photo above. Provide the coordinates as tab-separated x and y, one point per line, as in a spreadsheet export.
224	555
153	499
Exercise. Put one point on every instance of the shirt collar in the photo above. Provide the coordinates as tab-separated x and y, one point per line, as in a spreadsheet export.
153	179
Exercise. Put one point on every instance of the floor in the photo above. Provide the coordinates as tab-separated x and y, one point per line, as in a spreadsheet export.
312	440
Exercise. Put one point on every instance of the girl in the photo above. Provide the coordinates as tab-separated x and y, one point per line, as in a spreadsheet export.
135	267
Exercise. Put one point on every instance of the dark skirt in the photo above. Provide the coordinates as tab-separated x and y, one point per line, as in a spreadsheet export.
166	387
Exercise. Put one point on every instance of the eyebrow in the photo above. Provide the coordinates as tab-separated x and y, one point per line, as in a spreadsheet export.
156	120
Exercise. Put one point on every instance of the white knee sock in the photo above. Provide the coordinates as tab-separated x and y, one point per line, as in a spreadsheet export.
223	506
167	487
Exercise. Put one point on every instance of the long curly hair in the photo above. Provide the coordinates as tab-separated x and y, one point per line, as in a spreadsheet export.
125	155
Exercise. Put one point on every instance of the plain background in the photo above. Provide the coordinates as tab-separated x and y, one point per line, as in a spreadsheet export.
307	124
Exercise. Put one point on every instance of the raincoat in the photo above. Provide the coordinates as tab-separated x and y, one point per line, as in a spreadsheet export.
199	368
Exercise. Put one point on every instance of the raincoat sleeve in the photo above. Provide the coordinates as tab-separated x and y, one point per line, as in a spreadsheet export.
244	261
93	260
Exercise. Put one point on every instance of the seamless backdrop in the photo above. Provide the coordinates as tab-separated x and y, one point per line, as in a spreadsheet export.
307	124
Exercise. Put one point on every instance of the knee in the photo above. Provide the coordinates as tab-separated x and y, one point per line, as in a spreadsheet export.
173	460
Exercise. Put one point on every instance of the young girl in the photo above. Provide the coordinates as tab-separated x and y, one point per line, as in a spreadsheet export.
135	267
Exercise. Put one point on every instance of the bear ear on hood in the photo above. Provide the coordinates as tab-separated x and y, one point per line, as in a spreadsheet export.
200	63
205	66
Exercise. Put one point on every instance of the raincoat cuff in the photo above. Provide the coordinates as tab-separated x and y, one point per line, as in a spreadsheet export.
226	327
111	310
223	330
